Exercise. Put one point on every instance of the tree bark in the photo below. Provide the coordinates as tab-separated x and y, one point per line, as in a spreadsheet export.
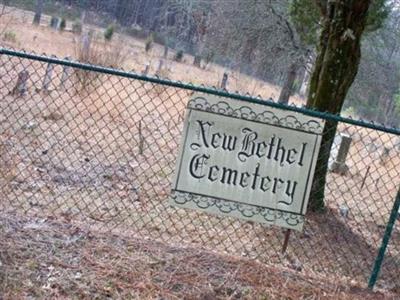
335	68
287	87
38	12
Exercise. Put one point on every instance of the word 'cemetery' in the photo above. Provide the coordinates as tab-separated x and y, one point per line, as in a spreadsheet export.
272	149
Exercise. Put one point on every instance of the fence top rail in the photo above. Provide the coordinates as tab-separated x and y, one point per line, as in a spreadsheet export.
198	88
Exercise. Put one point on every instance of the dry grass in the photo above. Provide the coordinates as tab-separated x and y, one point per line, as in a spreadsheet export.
44	258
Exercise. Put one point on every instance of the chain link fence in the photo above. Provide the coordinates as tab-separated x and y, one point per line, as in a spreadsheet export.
98	147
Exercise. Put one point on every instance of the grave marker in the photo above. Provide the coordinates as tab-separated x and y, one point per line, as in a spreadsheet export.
47	77
21	85
224	80
339	165
146	69
65	74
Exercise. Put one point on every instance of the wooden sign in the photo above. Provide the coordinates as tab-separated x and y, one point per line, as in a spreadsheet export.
247	161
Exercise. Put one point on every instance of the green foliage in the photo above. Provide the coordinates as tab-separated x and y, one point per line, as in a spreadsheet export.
136	32
149	42
159	39
209	56
77	27
10	36
349	112
306	17
397	104
179	56
379	11
63	24
109	32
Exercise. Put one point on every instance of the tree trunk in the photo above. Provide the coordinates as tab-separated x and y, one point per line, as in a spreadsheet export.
334	71
287	87
38	12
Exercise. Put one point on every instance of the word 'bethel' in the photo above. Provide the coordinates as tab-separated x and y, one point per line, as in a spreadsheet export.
272	149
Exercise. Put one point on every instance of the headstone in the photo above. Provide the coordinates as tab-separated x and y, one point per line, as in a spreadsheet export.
384	155
146	69
344	211
166	50
397	144
197	61
47	77
54	21
160	66
224	80
21	86
65	75
86	42
371	145
339	165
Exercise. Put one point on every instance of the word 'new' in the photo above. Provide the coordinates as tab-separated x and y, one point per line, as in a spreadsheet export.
273	148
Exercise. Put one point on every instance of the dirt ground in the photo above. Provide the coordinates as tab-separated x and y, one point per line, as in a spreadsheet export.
42	258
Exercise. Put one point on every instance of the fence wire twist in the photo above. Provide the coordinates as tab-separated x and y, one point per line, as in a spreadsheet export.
99	148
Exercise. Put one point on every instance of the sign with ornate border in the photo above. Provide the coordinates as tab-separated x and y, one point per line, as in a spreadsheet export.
246	160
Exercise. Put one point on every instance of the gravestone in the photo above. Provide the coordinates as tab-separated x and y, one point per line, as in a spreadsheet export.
397	144
86	43
224	80
65	74
47	77
197	61
160	66
166	50
339	165
372	146
21	86
383	155
54	21
334	149
146	69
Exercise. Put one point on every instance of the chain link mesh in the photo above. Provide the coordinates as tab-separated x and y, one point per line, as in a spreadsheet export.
100	150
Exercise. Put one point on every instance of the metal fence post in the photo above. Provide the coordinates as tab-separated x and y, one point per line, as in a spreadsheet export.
385	242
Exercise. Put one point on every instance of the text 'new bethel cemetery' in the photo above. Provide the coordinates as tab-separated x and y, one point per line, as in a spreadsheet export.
246	160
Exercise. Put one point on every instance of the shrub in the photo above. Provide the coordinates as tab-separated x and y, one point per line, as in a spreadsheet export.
109	32
209	57
179	56
63	24
159	89
136	32
10	36
159	39
99	53
77	27
349	112
149	43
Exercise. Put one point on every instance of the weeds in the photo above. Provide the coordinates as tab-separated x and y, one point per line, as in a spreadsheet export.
10	36
92	51
109	32
149	43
